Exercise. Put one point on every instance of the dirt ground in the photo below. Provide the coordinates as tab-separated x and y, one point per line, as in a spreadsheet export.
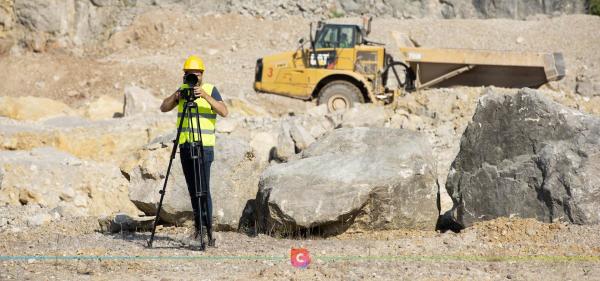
502	249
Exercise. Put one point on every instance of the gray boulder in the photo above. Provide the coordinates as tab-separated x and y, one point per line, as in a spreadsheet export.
46	16
527	156
234	181
285	144
302	137
365	178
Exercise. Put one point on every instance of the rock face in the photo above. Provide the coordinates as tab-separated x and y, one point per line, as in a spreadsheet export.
366	178
41	24
58	180
234	181
526	156
522	9
106	140
409	8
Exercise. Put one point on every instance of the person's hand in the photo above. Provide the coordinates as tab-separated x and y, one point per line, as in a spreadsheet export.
200	93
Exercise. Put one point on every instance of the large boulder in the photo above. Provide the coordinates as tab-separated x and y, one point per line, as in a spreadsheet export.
365	178
233	182
55	179
524	155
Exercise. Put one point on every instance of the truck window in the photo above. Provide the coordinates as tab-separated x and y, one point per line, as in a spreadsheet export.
332	36
327	38
346	37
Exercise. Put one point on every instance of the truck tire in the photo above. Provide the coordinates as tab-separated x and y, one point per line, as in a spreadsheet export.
340	95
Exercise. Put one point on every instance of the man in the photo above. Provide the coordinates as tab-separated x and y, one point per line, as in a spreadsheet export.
344	41
210	103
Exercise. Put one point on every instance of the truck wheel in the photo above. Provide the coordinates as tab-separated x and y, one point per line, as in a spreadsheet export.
340	95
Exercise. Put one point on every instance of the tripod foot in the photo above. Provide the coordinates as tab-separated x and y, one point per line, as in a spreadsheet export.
212	242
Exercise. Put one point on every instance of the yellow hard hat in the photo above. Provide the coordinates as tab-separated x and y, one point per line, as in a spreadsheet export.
193	63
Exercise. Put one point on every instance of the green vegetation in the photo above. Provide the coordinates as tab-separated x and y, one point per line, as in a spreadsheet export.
336	14
595	7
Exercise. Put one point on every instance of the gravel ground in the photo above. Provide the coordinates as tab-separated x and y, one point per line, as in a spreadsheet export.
517	249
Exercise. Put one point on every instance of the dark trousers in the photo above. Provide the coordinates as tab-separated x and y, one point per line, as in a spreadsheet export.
187	162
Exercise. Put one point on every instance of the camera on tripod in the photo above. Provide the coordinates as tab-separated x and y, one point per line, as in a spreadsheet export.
191	80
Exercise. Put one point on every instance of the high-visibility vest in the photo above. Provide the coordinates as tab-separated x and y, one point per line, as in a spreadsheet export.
208	119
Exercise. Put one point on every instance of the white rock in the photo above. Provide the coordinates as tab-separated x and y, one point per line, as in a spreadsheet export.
138	101
39	219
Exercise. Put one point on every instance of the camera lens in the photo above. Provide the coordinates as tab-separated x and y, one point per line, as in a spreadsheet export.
190	79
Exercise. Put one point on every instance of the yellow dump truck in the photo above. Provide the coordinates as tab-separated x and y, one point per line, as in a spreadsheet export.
341	67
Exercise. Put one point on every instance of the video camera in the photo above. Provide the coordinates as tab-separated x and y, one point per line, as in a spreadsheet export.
191	80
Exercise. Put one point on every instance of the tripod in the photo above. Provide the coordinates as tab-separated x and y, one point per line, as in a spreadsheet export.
197	156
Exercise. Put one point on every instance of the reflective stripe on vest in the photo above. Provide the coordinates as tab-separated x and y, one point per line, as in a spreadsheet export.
208	119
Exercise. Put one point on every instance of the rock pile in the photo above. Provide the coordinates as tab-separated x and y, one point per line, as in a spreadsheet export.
57	180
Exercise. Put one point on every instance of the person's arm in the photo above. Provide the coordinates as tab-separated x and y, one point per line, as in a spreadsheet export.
218	106
170	102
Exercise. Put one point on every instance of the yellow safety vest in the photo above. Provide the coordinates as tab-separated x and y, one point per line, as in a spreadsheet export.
208	119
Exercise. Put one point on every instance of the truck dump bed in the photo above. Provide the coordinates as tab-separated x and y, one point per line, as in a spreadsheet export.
465	67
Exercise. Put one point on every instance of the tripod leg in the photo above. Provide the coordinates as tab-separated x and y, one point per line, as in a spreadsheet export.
196	164
162	191
205	181
206	200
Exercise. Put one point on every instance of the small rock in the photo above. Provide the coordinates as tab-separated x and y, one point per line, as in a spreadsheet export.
227	125
520	40
587	88
123	222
